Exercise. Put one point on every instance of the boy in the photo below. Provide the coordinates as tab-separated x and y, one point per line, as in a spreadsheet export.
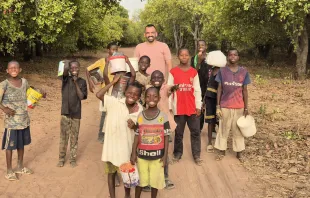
16	121
141	76
151	140
120	121
112	48
186	106
232	103
74	89
198	62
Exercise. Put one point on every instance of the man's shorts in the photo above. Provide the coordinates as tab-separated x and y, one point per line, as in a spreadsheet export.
151	173
16	138
109	168
210	117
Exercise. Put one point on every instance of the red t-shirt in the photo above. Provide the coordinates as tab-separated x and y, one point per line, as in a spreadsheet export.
185	99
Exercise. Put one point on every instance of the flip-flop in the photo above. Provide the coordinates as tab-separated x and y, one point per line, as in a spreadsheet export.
210	149
241	159
60	164
219	157
174	160
169	184
73	164
198	161
24	170
11	177
147	189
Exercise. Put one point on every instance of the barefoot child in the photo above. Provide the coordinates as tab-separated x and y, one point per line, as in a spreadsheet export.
112	47
186	105
232	103
141	76
74	89
119	135
16	121
151	140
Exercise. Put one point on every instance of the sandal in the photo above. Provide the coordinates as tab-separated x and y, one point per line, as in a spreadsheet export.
219	157
11	176
169	184
147	189
198	161
73	164
24	170
60	164
210	149
175	160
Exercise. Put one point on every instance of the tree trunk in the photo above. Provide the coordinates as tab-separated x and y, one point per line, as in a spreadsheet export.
302	53
175	35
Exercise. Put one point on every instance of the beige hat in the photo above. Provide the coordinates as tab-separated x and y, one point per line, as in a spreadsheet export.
247	126
216	58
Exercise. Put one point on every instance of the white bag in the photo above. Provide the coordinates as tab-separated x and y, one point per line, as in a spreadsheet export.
216	58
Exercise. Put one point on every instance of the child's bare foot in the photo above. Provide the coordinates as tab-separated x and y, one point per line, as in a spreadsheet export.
24	170
73	164
60	164
240	157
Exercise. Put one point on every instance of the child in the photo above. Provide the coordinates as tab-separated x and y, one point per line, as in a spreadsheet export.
152	141
16	122
120	120
232	103
74	89
210	103
198	62
112	48
141	76
186	106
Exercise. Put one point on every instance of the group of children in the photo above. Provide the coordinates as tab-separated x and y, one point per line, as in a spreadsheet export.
137	123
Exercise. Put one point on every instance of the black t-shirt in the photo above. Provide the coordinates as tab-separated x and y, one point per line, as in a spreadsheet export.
71	103
203	74
212	86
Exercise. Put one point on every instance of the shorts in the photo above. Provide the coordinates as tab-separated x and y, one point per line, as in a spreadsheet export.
210	116
151	173
16	138
109	168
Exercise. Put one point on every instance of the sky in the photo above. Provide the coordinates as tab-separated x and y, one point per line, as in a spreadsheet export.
133	5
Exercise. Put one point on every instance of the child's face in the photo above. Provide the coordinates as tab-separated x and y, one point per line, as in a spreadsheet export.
152	97
157	79
202	46
13	69
233	56
74	69
113	48
144	64
132	95
184	56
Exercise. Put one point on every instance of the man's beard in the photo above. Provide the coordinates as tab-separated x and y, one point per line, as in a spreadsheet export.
151	41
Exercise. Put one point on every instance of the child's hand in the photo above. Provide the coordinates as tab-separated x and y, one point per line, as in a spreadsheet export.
74	78
116	78
174	88
133	159
164	160
219	113
131	124
245	112
198	112
43	92
126	59
8	111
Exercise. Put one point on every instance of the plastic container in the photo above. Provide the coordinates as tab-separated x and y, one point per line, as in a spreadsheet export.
135	64
33	97
117	64
96	76
216	58
247	126
61	67
129	174
119	88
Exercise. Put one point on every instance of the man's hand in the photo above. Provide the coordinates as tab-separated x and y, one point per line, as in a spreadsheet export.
164	160
198	112
219	113
8	111
245	112
131	124
133	158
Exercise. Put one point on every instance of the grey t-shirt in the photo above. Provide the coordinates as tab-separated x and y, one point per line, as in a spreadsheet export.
15	98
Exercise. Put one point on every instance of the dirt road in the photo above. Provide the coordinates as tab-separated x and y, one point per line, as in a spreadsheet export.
223	179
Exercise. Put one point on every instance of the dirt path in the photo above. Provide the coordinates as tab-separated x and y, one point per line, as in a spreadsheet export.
214	179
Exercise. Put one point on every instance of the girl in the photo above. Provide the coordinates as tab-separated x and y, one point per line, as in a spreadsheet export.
186	105
151	140
141	76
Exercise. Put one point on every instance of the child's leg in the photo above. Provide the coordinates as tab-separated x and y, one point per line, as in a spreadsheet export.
74	136
178	138
127	192
210	131
101	133
238	139
111	184
154	193
168	183
223	132
9	154
64	137
193	125
20	160
202	120
138	191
